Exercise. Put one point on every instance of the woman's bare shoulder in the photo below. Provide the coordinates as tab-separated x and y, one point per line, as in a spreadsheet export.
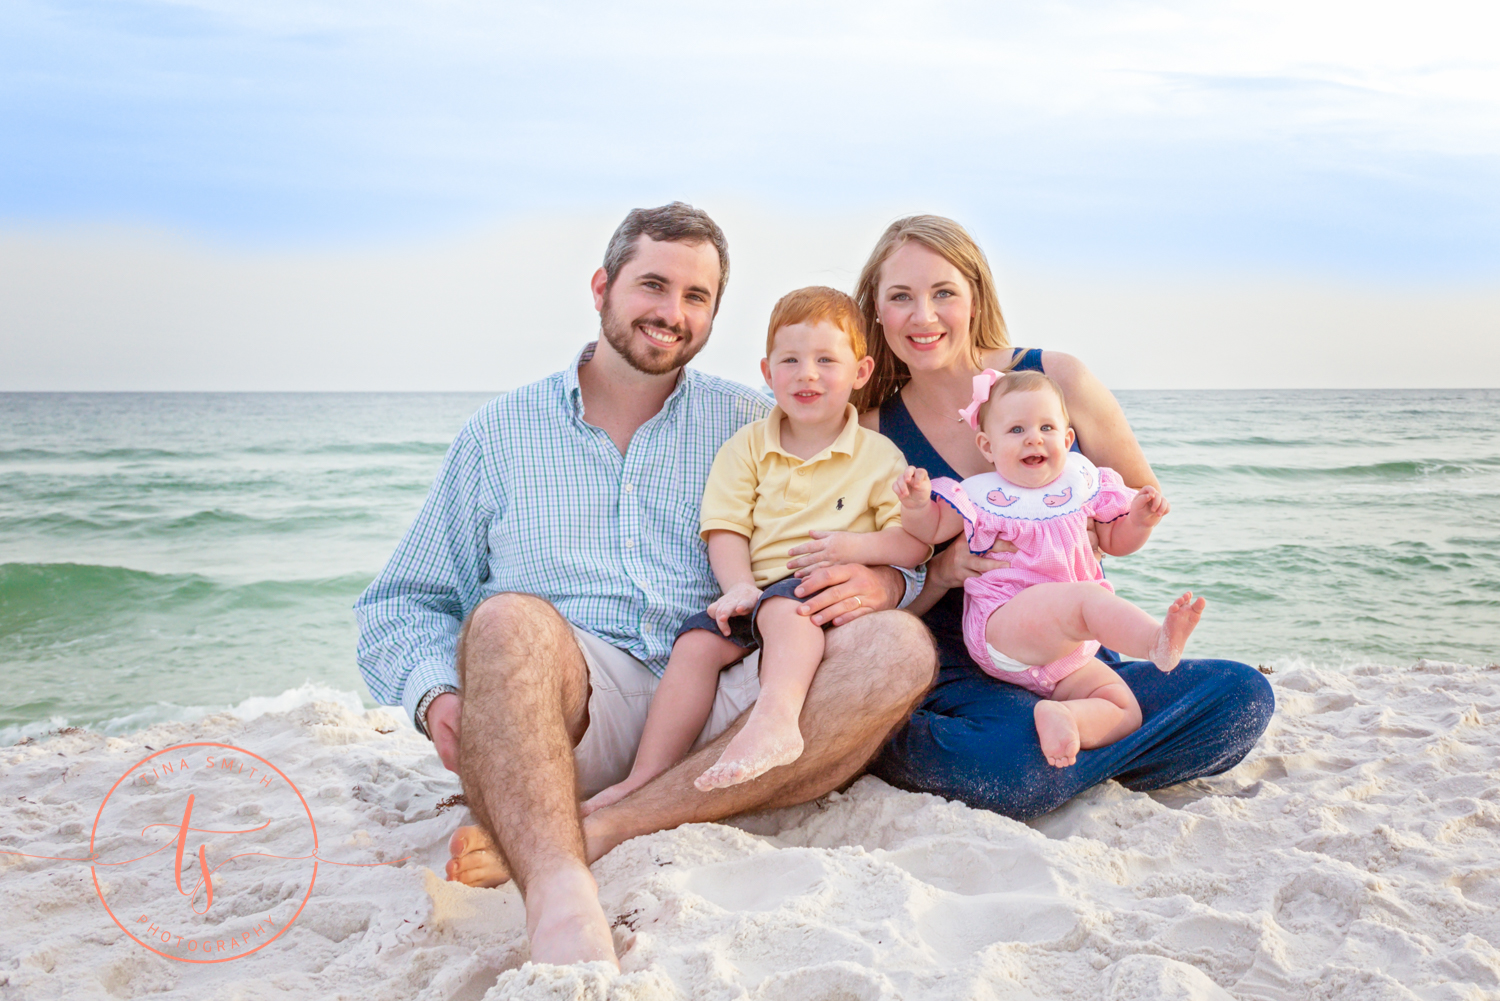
1064	368
870	419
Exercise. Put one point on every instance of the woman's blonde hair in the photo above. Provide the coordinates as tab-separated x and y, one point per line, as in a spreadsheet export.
953	243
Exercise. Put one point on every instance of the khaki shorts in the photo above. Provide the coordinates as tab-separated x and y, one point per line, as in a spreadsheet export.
620	695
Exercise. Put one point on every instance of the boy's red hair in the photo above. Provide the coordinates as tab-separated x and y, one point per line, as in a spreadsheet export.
815	304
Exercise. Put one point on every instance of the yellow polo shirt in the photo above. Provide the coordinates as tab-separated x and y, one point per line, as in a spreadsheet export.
775	499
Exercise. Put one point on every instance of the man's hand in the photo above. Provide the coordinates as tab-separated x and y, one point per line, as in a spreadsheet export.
914	488
442	727
825	550
1149	506
954	565
738	600
848	591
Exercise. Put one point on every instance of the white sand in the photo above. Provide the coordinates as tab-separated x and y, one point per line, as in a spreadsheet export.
1355	854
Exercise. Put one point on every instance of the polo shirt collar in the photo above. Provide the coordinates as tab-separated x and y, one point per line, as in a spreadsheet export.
843	443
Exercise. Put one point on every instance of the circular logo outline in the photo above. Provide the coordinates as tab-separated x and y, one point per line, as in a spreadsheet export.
311	823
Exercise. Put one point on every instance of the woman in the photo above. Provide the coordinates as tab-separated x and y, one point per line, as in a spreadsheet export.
935	323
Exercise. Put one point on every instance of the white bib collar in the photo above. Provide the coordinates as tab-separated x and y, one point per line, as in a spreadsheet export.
1078	484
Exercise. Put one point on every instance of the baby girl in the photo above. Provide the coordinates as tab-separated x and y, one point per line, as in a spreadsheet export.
1039	621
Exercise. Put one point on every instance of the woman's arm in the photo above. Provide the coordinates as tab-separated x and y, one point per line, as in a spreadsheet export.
1102	429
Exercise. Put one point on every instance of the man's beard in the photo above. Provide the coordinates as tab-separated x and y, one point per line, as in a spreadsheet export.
640	354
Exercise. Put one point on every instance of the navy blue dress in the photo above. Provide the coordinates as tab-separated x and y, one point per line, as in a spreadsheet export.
974	739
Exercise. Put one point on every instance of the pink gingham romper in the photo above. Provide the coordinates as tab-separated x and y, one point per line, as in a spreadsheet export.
1049	528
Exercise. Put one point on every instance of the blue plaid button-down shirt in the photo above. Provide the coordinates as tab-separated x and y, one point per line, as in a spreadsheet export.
533	499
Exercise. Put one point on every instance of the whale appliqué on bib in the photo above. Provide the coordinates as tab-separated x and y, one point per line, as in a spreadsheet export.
1078	484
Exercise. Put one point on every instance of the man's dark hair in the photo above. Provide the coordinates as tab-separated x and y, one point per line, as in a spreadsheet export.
678	222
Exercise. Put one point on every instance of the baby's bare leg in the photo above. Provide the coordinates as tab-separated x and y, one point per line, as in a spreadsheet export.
1092	707
679	710
1047	621
792	648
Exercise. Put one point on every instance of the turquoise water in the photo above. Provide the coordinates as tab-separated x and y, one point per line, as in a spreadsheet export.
166	555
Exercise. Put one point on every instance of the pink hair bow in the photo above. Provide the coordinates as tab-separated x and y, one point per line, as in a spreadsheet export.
984	382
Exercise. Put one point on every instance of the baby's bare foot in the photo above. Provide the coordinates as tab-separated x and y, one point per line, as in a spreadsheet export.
475	861
1058	731
1182	618
762	745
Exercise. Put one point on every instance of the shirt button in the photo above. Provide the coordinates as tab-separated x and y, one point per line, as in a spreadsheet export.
801	471
629	543
629	487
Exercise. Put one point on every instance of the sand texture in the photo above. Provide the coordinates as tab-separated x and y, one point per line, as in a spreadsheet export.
1355	854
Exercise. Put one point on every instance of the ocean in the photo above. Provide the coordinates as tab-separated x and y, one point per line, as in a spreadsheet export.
168	555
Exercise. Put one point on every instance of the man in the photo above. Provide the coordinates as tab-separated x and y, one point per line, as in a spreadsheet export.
527	613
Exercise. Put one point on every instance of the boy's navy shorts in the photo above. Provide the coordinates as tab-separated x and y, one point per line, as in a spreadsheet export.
742	629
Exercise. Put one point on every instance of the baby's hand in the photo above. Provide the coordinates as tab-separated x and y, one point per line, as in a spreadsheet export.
914	488
1149	507
738	600
825	550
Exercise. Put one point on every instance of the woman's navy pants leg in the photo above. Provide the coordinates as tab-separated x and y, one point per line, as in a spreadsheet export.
974	738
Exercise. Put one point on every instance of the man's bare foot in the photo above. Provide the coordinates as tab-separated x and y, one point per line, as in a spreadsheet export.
475	861
1058	731
564	921
762	744
1182	618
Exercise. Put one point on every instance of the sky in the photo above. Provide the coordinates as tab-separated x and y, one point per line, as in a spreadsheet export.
226	194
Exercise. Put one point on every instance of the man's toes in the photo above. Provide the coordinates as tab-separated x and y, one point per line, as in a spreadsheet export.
468	839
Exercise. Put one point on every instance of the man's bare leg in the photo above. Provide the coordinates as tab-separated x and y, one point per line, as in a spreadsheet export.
525	706
875	671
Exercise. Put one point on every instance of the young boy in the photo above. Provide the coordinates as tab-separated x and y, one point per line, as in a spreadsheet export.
808	466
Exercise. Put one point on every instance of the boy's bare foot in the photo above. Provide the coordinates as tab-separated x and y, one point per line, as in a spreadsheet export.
564	921
1182	618
1058	731
762	744
475	861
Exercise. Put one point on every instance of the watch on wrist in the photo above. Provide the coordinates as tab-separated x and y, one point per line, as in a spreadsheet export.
420	716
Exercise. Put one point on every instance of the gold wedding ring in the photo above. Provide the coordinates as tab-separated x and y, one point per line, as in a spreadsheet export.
857	601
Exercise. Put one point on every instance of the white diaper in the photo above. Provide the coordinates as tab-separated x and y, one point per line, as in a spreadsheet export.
1004	663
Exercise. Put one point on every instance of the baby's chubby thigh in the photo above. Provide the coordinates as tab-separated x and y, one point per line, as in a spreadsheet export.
1044	622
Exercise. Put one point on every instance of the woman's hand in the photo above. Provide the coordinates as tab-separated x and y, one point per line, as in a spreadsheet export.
738	600
825	550
954	565
847	591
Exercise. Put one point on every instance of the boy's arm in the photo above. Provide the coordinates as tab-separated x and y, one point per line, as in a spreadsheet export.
894	545
1129	533
729	555
889	546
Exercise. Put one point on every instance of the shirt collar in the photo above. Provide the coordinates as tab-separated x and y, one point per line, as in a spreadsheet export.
843	443
573	393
